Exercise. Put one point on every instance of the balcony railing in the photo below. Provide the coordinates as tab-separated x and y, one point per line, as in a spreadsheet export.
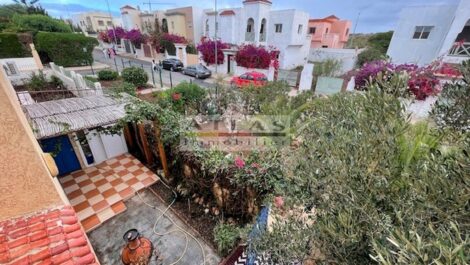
460	49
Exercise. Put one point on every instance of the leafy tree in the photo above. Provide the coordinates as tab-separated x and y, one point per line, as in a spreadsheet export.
31	7
135	75
369	55
380	41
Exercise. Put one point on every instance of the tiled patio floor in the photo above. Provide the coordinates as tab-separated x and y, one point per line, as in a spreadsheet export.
97	193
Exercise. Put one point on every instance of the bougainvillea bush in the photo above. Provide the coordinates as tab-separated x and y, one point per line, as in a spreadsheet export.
166	41
135	36
207	49
120	33
251	56
419	81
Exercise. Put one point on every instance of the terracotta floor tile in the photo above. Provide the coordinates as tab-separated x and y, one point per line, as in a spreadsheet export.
123	173
128	164
132	181
88	188
94	173
74	194
104	187
113	199
92	193
100	206
81	206
68	184
148	181
138	172
107	173
77	174
85	183
109	193
116	182
91	222
101	182
118	207
126	193
96	199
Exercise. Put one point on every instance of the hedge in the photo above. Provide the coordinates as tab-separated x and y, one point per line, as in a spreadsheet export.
39	23
65	49
11	47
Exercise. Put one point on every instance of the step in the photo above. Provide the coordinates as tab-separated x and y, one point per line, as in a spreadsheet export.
92	222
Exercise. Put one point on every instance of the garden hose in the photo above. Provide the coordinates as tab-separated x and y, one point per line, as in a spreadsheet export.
179	229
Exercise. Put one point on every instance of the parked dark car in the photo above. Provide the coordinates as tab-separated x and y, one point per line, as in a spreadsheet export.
172	64
198	70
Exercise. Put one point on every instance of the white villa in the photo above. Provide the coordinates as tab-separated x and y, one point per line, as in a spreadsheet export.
426	33
256	23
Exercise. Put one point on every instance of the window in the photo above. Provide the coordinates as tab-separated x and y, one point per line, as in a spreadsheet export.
249	28
110	23
216	26
422	32
327	29
207	27
347	32
312	30
278	28
172	25
299	30
101	22
324	46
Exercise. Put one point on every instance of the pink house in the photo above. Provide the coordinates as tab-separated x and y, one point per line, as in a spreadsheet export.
329	32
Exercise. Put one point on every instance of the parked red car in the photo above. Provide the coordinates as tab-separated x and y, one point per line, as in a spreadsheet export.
255	79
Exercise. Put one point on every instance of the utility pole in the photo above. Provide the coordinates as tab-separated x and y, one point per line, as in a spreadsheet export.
355	27
112	23
215	38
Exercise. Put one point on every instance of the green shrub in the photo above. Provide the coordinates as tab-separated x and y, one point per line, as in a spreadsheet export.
135	75
226	237
65	49
383	191
107	75
185	96
39	23
369	55
11	46
91	78
57	82
124	88
37	82
452	110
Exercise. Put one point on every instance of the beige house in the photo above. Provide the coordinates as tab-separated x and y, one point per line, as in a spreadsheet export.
93	21
184	21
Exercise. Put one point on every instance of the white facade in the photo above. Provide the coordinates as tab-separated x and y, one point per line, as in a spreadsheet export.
256	23
92	21
446	22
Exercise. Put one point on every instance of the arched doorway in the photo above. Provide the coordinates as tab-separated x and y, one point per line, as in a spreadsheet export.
250	30
262	31
207	28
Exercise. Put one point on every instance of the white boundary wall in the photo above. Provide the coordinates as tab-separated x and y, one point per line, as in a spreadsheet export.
347	57
75	83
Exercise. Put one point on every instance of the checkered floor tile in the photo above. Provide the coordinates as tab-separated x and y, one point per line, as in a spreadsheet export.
97	193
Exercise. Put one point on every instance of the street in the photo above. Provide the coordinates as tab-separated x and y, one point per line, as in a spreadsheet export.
168	78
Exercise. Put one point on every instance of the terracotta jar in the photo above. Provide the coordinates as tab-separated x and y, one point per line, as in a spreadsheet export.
138	249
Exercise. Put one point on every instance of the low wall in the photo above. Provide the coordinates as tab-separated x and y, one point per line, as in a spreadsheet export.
23	64
192	59
347	57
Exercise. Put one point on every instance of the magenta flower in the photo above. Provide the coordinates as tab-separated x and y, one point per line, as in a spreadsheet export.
207	49
278	201
251	56
239	163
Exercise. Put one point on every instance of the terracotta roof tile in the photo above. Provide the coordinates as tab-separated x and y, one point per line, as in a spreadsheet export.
227	13
50	237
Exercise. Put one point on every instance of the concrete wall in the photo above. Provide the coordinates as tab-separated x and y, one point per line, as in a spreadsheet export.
404	49
26	184
347	57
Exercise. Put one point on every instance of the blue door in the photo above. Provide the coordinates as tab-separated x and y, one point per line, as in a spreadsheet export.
63	153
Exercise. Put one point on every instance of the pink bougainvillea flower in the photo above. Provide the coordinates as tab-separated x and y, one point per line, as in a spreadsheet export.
207	50
239	162
176	96
278	201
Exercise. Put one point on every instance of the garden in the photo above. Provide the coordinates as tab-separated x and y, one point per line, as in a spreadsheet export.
371	186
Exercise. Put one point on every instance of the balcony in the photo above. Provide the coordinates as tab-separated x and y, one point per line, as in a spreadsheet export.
458	53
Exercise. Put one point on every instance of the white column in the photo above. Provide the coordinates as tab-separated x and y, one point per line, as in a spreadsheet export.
306	77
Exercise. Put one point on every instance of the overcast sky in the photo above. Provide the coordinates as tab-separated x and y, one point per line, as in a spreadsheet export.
376	15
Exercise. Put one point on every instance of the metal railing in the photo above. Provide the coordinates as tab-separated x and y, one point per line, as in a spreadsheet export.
460	49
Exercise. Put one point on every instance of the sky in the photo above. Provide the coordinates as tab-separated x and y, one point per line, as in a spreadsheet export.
375	15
